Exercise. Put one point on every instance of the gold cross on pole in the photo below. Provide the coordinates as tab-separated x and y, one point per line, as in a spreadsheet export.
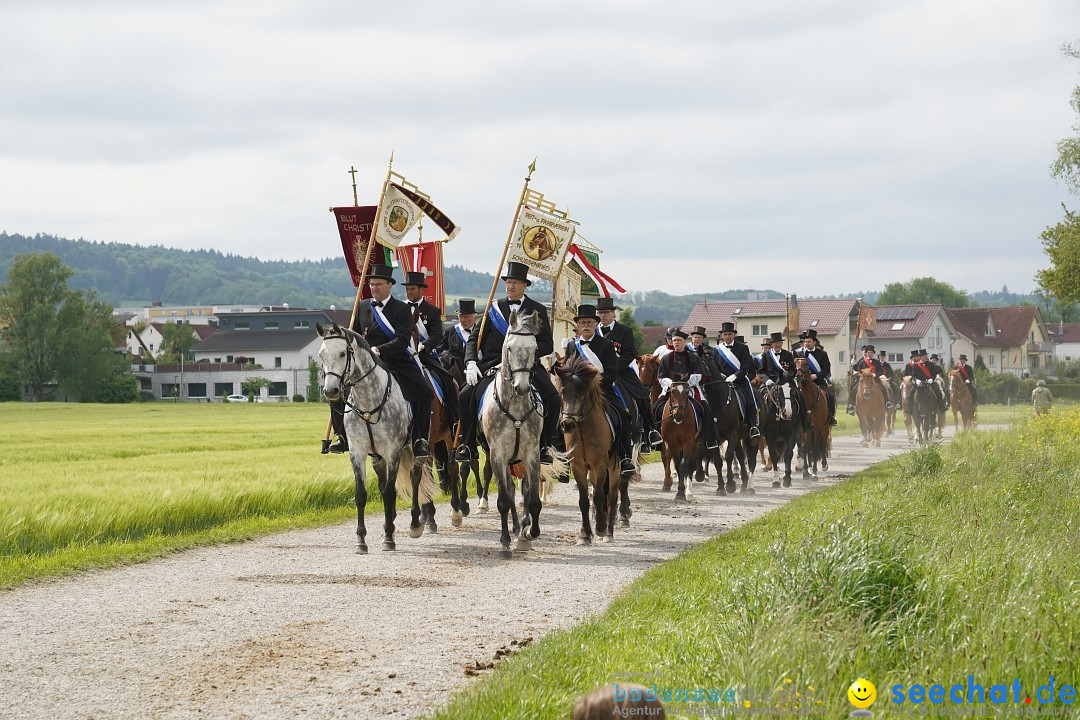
352	171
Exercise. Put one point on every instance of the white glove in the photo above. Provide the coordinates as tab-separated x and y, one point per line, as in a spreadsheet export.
376	351
694	380
918	382
731	378
768	383
967	382
882	378
472	373
566	342
665	383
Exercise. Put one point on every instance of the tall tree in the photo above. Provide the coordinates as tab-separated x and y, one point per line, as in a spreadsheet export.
177	340
923	291
1067	165
1061	243
626	317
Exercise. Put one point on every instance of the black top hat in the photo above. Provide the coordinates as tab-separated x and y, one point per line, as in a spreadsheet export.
698	330
914	353
776	337
671	331
923	351
517	271
606	303
934	356
415	278
766	342
381	272
810	334
883	353
802	336
586	312
740	339
963	357
678	332
466	306
868	347
727	327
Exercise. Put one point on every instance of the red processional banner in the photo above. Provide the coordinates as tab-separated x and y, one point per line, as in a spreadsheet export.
428	259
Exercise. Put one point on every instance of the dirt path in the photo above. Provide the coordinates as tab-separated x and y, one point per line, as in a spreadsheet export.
297	625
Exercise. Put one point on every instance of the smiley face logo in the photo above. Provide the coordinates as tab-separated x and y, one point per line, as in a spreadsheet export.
862	695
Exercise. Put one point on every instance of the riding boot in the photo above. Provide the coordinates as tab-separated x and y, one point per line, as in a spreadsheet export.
648	421
549	436
804	421
421	428
467	425
712	441
752	417
831	401
626	448
337	419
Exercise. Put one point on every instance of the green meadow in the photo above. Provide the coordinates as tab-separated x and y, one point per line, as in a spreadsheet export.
928	568
85	486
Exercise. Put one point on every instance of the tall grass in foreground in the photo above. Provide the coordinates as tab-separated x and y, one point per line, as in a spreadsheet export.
936	565
89	485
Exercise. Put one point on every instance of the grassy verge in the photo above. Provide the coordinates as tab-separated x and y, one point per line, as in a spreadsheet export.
936	565
85	486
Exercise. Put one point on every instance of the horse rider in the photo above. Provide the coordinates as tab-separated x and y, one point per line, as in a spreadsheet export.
453	342
483	357
890	374
387	325
429	332
681	365
869	360
778	366
968	376
914	358
921	370
664	349
820	368
736	367
600	352
759	358
622	339
703	349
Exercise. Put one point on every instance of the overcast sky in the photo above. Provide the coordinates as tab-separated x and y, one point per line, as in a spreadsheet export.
811	147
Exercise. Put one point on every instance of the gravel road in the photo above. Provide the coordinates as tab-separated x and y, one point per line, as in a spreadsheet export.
296	624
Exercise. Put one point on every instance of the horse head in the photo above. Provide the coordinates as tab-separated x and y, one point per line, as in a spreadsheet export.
339	360
678	399
519	351
648	366
866	383
581	392
782	397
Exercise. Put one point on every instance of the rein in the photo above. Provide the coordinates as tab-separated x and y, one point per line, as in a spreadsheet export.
508	375
347	388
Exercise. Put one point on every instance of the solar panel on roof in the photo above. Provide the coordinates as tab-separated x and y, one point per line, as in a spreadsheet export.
897	313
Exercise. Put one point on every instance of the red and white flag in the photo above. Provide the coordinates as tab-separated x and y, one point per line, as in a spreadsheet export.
603	281
428	259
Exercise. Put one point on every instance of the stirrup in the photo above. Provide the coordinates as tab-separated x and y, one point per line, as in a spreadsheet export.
462	454
627	468
339	446
547	457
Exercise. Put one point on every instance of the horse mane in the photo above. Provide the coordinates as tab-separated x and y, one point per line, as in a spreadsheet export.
336	332
580	377
528	321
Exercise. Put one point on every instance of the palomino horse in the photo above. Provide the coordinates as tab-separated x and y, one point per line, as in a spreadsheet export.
780	427
870	407
590	445
511	420
961	401
681	432
817	441
377	425
920	410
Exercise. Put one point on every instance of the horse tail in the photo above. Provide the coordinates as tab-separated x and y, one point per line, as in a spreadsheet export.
561	466
428	488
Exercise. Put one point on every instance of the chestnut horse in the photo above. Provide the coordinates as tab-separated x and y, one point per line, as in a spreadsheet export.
590	445
817	441
961	401
679	428
870	407
648	367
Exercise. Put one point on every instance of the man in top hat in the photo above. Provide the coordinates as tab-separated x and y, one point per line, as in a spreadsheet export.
387	325
429	335
706	352
483	355
968	376
820	367
778	366
759	358
890	375
454	341
869	360
664	349
923	371
622	338
598	351
905	390
681	365
736	366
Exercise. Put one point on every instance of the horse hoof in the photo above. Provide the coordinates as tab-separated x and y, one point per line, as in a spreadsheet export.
524	544
506	554
680	496
629	513
787	482
584	541
465	510
415	532
825	463
607	539
667	487
484	505
389	545
624	522
721	491
731	486
455	518
361	549
432	527
699	476
748	491
776	483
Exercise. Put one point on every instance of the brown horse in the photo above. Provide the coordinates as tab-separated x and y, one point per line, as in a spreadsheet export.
679	428
816	442
961	401
590	445
441	441
648	367
870	407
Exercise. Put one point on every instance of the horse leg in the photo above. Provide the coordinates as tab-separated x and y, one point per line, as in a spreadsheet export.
789	453
625	511
386	474
450	471
530	488
614	481
600	502
505	504
748	452
416	526
679	462
805	454
585	536
666	459
482	488
360	474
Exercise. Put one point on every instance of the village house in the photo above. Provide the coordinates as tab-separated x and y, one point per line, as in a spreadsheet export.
1008	339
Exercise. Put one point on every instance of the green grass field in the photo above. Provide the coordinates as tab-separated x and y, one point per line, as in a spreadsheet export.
934	566
85	486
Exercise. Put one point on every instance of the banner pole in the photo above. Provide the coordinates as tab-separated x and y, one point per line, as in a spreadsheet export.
371	243
506	249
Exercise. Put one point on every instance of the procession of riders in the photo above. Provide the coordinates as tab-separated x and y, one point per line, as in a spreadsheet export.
409	339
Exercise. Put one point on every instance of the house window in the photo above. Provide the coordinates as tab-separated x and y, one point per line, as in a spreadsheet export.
736	311
222	389
842	357
760	330
170	390
196	390
991	361
895	357
1034	362
898	326
278	389
271	324
217	360
244	325
301	324
989	328
228	358
277	362
814	324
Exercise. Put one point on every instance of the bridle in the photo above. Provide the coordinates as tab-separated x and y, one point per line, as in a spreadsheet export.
347	385
770	393
508	374
676	410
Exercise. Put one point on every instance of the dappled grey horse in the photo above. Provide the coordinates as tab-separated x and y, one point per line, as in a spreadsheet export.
511	421
377	425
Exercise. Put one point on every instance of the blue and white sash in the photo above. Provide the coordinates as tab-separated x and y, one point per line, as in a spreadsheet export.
815	366
497	320
729	357
461	334
388	330
586	352
775	360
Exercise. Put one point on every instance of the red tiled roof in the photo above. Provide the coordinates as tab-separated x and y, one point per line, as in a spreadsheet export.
654	338
1012	325
1070	335
204	331
831	315
914	328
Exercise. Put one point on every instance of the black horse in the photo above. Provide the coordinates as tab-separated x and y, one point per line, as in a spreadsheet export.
731	431
780	426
